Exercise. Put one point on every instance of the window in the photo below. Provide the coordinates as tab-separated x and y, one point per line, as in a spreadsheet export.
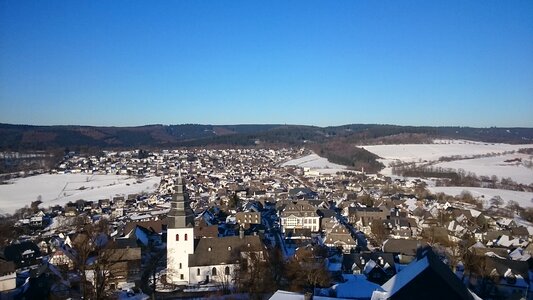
198	272
180	265
185	236
177	237
214	271
226	271
181	276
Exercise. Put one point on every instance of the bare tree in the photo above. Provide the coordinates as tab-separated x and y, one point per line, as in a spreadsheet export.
155	261
306	272
379	231
96	259
496	201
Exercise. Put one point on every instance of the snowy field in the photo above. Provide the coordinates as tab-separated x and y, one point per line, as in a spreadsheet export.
315	162
496	165
483	166
525	199
440	148
59	189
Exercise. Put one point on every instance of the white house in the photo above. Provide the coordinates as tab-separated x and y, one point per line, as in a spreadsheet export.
300	215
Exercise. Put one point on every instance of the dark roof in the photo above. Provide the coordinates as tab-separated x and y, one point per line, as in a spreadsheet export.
360	259
296	191
519	231
426	278
156	226
326	213
365	209
502	265
6	267
223	250
407	247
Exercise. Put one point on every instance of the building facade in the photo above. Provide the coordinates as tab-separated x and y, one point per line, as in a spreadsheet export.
300	215
180	236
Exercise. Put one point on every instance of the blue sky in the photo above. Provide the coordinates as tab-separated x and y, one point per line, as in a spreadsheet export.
467	63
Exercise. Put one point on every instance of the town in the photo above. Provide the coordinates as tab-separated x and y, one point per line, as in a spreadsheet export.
246	222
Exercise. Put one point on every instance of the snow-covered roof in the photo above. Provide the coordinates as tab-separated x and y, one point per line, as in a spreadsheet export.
356	286
285	295
405	276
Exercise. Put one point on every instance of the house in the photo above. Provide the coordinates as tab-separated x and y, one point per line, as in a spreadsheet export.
71	211
122	264
245	219
425	278
378	267
327	217
511	278
23	254
63	257
7	276
355	287
404	249
340	237
302	193
364	216
300	215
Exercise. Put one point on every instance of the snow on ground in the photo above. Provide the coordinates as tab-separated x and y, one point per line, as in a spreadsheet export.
525	199
496	165
440	148
59	189
315	162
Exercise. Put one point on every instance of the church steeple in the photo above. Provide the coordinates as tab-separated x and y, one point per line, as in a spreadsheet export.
181	214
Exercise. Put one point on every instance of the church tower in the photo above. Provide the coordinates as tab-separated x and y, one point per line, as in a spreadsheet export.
180	235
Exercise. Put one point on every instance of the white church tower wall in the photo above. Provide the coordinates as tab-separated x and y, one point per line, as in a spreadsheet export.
180	236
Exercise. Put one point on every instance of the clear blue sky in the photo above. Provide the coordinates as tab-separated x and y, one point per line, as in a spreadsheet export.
467	63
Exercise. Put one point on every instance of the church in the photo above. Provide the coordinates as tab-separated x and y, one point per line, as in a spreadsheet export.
204	260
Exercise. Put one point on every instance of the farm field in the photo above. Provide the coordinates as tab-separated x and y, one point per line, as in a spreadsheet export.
315	162
503	166
486	166
59	189
525	199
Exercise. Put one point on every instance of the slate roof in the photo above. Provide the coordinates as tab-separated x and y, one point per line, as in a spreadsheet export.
6	267
425	278
360	259
223	250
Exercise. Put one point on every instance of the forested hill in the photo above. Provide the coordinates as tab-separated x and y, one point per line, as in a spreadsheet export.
27	137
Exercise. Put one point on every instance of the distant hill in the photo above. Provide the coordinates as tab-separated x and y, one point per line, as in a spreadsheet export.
337	143
28	137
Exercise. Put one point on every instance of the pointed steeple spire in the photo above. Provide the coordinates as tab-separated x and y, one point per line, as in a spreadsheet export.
181	214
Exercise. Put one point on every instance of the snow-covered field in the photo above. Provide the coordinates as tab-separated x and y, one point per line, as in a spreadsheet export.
496	165
440	148
525	199
315	162
59	189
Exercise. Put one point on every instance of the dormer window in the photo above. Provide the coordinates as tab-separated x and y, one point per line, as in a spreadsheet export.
229	248
209	249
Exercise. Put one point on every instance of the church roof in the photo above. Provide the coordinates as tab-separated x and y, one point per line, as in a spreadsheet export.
223	250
